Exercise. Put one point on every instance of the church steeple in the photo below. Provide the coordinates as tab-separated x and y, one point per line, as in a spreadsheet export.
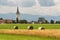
17	15
17	10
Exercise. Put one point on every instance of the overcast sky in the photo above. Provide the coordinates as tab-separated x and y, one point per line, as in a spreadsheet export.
35	7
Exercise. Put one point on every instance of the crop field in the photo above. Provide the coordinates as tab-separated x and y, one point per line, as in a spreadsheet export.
51	32
24	26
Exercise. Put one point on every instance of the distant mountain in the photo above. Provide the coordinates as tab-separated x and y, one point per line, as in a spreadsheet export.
28	17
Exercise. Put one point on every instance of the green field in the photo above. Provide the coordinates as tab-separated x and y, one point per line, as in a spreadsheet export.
24	37
24	26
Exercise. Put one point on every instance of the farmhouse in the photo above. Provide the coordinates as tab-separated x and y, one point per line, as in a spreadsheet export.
5	21
2	21
9	21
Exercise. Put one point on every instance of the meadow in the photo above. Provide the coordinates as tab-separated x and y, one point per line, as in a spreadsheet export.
7	32
24	26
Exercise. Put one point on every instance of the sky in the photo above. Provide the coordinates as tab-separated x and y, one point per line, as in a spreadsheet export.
34	7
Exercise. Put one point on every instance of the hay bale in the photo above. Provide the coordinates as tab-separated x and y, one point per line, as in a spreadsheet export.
30	27
15	27
41	28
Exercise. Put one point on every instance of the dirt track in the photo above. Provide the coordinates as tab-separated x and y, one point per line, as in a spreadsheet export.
47	32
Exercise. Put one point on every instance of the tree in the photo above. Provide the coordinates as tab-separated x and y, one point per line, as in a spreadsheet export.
52	21
13	21
23	21
57	22
1	18
42	20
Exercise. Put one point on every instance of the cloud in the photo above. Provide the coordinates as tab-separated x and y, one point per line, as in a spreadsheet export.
46	2
7	9
3	2
23	3
43	10
28	3
57	1
7	3
31	7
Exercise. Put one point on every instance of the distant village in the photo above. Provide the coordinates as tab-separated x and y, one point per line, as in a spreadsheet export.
41	20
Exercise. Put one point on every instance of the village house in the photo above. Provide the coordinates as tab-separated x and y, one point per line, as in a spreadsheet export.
5	21
2	21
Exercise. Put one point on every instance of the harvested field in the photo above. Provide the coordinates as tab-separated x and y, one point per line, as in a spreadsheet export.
47	33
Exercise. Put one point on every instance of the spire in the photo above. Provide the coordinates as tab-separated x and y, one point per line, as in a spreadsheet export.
17	10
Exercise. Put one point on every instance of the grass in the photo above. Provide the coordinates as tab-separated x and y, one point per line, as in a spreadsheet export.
24	26
24	37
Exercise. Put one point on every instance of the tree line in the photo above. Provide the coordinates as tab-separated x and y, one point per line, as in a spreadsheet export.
41	20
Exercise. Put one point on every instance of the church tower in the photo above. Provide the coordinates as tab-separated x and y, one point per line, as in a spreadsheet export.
17	15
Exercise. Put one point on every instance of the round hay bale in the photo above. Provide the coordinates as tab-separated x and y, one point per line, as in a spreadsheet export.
30	27
15	27
41	28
